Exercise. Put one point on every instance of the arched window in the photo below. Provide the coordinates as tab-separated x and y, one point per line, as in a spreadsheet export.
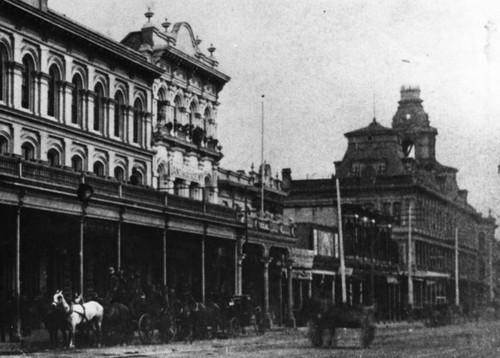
161	107
99	169
179	186
206	119
53	92
77	100
76	163
119	115
193	190
3	73
4	145
136	177
119	174
28	83
137	125
177	112
28	151
98	108
192	118
53	157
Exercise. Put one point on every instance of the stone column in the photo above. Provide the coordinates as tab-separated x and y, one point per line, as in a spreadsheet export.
17	333
90	96
240	256
82	222
165	234
119	240
16	138
267	316
291	316
111	118
43	97
203	283
17	79
147	130
67	100
130	124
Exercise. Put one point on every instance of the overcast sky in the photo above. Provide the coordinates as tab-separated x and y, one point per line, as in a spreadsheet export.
322	66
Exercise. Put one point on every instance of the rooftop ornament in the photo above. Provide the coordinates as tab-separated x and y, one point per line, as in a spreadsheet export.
149	14
211	49
165	24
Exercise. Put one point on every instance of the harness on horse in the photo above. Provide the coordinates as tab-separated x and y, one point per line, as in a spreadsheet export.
83	314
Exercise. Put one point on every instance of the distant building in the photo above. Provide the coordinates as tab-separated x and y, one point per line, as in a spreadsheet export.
371	256
269	238
395	170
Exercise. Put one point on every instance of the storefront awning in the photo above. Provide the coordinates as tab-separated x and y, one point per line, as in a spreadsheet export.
302	275
324	272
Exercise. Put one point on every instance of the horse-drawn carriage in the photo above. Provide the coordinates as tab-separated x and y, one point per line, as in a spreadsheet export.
329	317
238	313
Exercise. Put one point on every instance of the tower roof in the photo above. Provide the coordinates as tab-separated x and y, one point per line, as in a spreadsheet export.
373	128
410	112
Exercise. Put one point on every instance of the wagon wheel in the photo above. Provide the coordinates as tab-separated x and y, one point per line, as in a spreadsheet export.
146	328
234	327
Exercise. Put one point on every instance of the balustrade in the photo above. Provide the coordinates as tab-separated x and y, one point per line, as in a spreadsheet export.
9	165
61	177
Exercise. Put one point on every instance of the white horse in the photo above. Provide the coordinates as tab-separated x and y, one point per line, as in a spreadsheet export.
89	312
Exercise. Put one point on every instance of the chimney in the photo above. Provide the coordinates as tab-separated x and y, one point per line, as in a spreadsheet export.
286	179
39	4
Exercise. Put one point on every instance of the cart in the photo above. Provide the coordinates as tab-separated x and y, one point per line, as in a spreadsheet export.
239	313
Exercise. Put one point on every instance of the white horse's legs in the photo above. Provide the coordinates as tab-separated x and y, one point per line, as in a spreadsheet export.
98	325
72	336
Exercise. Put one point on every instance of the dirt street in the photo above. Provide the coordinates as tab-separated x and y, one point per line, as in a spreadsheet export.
467	340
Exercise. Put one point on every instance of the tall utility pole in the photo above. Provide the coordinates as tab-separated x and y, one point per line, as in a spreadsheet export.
410	254
341	243
263	163
457	291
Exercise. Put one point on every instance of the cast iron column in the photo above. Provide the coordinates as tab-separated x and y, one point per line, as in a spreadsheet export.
266	261
291	317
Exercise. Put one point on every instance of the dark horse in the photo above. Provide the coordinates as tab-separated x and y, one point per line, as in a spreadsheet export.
329	317
117	324
55	320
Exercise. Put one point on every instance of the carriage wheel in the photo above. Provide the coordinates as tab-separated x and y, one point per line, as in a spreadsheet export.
146	328
234	327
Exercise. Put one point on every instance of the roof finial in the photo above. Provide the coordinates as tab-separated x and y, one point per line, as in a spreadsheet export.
149	14
374	108
211	49
165	24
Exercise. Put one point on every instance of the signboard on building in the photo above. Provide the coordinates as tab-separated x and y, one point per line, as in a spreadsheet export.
302	274
323	242
187	173
348	271
302	258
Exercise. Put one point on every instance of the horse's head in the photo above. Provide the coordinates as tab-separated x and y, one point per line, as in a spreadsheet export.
57	299
78	299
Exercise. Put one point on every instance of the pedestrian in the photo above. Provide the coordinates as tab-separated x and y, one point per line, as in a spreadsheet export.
113	286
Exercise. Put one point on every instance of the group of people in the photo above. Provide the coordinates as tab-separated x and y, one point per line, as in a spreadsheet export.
125	286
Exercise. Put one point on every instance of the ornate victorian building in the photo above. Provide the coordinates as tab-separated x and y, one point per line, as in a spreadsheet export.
109	156
395	171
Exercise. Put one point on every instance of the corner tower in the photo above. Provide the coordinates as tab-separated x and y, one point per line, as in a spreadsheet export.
411	122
